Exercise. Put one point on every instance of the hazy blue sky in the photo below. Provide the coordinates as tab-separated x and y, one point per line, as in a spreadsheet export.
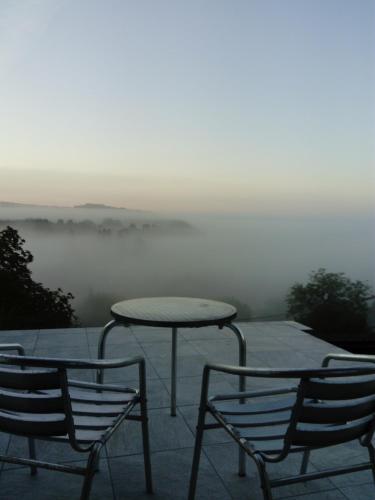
203	105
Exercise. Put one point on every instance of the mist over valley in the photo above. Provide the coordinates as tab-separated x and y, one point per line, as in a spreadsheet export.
103	255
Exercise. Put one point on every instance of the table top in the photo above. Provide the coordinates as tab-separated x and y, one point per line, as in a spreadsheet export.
173	312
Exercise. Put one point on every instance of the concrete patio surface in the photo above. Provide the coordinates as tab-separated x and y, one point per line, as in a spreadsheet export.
269	344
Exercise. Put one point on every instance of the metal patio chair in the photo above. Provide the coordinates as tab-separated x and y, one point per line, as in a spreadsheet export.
38	401
329	406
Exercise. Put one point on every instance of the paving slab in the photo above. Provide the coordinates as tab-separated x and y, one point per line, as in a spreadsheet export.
272	344
171	477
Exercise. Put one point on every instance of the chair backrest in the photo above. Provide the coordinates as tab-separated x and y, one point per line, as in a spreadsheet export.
33	402
333	410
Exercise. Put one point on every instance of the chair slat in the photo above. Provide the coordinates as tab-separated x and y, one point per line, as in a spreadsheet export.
254	408
262	434
272	447
339	389
91	386
33	424
31	402
95	410
93	423
29	379
258	420
336	412
112	398
321	435
82	436
86	436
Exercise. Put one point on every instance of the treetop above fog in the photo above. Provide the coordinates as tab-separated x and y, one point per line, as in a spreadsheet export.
108	227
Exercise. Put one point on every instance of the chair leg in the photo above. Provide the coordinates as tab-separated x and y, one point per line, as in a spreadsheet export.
197	453
146	447
264	481
305	461
32	455
371	453
91	468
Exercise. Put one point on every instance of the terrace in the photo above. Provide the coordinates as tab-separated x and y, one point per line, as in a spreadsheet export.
271	344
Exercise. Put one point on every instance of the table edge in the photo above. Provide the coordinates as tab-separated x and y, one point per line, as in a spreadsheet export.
174	324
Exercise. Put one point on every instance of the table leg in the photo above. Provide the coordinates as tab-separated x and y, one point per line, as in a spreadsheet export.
174	372
242	386
101	347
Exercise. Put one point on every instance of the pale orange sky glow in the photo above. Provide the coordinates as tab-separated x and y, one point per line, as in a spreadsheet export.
187	194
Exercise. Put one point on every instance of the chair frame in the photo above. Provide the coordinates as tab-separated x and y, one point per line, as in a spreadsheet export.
261	458
94	447
357	358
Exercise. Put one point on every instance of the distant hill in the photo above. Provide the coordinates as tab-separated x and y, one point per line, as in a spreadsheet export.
11	204
97	206
100	205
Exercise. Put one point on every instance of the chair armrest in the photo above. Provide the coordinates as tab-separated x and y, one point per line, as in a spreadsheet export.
13	347
94	386
96	364
278	373
241	370
247	372
39	362
360	358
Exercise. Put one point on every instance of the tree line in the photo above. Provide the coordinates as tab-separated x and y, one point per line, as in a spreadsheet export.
108	227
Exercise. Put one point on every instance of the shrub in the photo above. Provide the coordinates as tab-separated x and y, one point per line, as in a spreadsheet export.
24	303
331	304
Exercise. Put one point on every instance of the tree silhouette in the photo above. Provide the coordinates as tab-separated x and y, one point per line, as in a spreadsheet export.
24	303
331	304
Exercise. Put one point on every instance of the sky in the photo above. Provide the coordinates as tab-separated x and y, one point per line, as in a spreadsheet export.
201	105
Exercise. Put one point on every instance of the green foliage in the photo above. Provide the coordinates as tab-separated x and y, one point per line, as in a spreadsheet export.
25	303
331	304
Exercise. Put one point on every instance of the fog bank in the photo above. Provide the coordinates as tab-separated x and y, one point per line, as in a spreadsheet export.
252	259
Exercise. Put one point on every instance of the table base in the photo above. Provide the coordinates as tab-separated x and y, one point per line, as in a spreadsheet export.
173	406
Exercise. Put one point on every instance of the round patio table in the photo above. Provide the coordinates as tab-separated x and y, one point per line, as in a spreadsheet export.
174	313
